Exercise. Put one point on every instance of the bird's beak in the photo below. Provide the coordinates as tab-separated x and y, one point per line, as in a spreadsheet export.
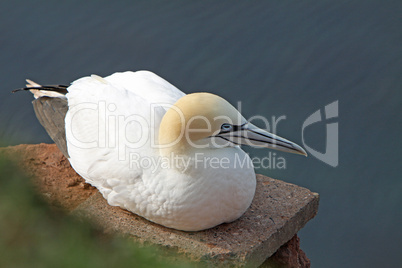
248	134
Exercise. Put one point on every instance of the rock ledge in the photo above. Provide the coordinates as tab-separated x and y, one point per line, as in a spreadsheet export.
279	210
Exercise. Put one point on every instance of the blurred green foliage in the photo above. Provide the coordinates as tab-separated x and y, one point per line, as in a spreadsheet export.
34	235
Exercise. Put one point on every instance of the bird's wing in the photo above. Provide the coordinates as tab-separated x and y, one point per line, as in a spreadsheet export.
51	113
111	122
148	85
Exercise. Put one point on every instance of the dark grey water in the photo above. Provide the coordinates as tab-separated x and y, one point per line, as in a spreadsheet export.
278	58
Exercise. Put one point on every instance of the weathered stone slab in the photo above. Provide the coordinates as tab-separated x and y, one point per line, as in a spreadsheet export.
279	210
52	174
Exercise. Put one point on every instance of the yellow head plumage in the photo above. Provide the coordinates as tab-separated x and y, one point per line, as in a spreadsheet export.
193	118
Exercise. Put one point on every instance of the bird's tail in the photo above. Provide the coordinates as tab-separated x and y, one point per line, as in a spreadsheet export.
50	106
52	91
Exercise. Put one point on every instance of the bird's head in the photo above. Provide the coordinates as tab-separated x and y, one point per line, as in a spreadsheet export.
205	120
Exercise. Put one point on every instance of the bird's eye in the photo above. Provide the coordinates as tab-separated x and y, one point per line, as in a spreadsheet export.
226	127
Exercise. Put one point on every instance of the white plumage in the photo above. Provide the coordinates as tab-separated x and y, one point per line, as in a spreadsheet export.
115	127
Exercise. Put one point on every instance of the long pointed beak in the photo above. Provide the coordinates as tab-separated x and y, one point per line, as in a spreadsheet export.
251	135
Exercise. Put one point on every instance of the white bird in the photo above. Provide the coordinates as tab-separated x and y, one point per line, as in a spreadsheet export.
169	157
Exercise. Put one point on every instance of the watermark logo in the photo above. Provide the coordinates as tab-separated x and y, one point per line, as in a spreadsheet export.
204	161
103	126
331	155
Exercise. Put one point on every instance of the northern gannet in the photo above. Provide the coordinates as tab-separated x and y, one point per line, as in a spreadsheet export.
169	157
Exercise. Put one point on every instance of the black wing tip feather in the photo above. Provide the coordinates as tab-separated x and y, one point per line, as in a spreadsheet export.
58	88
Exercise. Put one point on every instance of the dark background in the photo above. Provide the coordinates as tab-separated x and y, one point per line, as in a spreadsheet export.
278	58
